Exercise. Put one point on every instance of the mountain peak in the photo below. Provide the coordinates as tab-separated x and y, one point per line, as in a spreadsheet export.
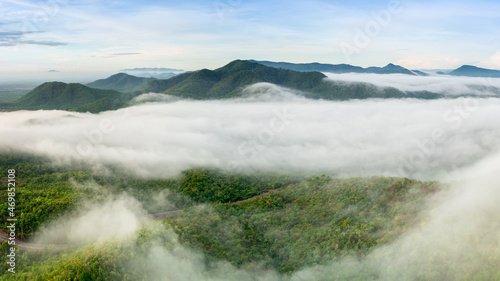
59	95
392	66
474	71
467	66
121	82
230	79
337	68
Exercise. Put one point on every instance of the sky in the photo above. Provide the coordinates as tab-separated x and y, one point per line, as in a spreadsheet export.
78	39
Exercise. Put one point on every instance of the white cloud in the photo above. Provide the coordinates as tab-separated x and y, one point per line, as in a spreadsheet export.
442	84
278	131
428	61
492	62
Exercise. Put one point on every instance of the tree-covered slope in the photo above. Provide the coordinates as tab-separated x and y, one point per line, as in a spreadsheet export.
63	96
339	68
233	226
229	80
120	82
295	222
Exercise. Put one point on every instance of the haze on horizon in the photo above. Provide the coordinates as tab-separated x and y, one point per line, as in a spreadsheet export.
82	40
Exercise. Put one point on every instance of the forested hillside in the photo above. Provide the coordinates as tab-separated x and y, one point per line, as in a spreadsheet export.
281	222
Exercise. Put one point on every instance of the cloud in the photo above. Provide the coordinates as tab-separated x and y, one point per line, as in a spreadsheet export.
114	55
457	236
491	62
154	69
31	42
124	54
428	61
53	70
14	38
446	85
278	130
95	222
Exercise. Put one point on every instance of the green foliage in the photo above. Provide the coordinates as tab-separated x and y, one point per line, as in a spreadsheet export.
273	221
87	263
210	185
58	95
228	81
7	96
308	223
340	68
225	82
103	104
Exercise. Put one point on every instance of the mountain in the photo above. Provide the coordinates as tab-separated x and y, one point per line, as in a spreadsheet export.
334	68
63	96
229	80
420	73
473	71
163	75
120	82
338	68
389	69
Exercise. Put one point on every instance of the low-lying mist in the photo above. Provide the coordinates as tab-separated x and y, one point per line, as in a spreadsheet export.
457	239
268	129
446	85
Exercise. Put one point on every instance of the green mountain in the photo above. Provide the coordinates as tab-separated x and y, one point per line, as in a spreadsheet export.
473	71
225	82
229	80
339	68
120	82
63	96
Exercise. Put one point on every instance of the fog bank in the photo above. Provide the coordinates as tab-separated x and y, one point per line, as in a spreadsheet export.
276	130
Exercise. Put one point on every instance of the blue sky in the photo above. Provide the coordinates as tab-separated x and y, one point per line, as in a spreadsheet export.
82	37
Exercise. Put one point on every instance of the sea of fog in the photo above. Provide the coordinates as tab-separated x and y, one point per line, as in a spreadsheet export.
270	129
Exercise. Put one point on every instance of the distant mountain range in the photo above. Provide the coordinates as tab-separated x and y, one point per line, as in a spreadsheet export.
154	72
225	82
229	80
473	71
465	70
341	68
121	82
